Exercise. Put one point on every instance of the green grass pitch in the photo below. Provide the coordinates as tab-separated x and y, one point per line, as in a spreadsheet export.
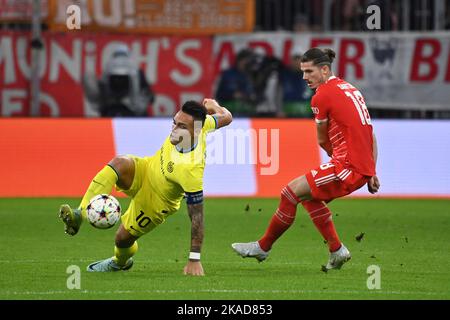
408	240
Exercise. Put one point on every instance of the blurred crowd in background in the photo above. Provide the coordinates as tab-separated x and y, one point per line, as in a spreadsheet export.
350	15
260	85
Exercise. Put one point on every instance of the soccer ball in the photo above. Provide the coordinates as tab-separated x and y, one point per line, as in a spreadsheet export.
103	211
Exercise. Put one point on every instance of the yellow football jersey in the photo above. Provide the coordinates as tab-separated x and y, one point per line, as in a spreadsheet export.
172	173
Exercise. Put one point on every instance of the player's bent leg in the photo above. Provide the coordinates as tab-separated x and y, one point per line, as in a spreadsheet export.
126	247
328	182
71	218
321	216
127	234
120	171
102	183
281	221
322	185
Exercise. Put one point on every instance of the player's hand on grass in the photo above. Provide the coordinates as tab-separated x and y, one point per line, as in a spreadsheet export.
373	185
194	268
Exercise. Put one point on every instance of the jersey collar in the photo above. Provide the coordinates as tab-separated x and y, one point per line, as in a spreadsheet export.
187	150
331	78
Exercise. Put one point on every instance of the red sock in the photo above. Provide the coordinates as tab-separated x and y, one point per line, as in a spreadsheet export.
282	219
321	216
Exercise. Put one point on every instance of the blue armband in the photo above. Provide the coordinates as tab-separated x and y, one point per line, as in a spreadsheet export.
216	121
194	197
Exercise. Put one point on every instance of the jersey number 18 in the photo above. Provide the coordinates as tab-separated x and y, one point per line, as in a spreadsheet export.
360	105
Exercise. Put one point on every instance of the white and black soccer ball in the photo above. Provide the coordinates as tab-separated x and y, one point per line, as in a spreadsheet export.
103	211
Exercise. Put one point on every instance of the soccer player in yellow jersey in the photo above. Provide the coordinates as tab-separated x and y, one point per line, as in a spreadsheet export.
156	186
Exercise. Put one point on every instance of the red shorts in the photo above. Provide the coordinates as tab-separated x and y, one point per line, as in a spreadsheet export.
333	180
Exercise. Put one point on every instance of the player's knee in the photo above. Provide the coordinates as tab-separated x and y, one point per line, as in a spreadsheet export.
121	164
124	167
301	188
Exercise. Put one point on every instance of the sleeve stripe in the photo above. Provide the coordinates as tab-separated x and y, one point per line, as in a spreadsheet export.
321	121
216	121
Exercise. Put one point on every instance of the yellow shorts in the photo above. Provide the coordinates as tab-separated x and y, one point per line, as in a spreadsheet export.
146	209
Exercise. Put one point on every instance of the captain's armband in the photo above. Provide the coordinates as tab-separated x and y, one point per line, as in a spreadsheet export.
194	197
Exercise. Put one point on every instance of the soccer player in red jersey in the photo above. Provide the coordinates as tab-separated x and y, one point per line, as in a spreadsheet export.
344	131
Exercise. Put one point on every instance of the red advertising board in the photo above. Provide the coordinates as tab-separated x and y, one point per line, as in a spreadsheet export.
178	68
393	70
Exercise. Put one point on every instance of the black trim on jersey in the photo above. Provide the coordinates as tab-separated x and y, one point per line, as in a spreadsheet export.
194	197
216	121
188	150
118	177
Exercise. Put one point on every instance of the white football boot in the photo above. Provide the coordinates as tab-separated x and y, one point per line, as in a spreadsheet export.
109	265
338	258
250	249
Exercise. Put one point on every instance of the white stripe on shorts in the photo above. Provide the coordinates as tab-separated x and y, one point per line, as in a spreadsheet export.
344	176
326	181
343	173
318	180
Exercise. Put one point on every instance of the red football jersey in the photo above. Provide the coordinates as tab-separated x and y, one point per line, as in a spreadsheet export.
349	124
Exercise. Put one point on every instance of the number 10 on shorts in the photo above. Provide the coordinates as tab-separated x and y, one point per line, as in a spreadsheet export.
142	220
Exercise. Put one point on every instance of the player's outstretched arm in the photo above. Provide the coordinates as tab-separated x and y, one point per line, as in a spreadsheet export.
374	183
222	115
194	266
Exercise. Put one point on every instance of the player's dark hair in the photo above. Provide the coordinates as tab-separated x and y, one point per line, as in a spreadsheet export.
319	57
196	110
